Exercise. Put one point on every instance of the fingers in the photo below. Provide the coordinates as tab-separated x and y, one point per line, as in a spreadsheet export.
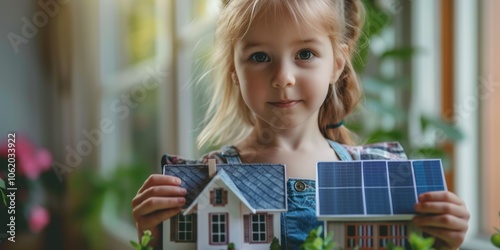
158	191
439	207
444	221
159	179
153	204
443	215
153	220
440	196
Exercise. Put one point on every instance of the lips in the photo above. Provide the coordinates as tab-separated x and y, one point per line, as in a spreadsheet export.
284	103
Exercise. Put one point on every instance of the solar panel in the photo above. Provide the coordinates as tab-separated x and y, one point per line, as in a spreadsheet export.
374	188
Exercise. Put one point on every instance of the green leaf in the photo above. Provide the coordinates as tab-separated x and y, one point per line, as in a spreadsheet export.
432	153
385	135
376	19
448	129
399	53
135	245
421	243
3	197
146	237
2	183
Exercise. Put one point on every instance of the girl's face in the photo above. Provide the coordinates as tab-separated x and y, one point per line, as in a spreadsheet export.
284	71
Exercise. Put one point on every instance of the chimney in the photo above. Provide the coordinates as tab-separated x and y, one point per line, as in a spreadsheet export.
211	168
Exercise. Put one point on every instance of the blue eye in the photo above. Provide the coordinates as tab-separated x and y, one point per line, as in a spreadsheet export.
259	57
304	55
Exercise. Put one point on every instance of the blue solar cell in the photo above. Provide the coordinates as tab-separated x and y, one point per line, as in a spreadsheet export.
375	173
428	173
341	186
377	201
428	176
345	201
400	174
339	174
403	200
424	189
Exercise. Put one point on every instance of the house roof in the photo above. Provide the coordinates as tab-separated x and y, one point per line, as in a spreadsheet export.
259	186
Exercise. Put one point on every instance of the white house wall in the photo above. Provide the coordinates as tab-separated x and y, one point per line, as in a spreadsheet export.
235	210
338	232
232	208
168	245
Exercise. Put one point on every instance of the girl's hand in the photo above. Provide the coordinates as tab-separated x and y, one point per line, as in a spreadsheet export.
443	215
159	198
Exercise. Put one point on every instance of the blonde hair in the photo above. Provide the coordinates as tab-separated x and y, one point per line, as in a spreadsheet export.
228	118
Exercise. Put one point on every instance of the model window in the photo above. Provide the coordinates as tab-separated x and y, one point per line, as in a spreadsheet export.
218	229
183	228
376	236
258	228
359	235
218	197
397	233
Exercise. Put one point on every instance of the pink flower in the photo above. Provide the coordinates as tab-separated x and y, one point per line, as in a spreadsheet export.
30	160
38	219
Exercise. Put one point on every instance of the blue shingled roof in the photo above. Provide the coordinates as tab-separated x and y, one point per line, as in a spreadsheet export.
262	185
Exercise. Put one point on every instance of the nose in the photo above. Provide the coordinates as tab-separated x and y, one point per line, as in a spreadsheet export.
284	75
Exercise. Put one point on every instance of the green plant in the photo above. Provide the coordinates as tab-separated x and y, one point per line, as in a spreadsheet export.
145	239
495	238
2	187
114	190
230	246
417	242
314	241
275	244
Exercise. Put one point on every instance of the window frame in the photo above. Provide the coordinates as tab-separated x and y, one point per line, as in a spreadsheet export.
225	226
175	228
216	195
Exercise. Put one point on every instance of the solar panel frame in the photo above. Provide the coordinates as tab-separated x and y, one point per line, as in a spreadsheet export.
402	190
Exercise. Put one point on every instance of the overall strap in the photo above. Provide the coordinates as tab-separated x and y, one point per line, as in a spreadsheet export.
340	150
231	155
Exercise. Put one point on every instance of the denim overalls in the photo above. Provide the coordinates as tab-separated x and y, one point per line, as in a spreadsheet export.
301	215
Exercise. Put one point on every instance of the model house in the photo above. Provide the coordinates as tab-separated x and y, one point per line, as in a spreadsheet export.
367	204
225	203
370	203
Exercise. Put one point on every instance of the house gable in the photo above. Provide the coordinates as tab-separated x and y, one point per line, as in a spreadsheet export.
249	189
221	180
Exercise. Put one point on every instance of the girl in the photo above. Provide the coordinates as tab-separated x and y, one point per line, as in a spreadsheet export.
283	84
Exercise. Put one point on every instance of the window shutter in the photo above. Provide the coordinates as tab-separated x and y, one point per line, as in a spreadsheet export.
270	229
194	226
212	197
224	197
173	228
246	227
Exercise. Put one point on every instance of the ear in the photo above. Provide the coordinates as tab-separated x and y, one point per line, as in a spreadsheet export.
234	78
339	63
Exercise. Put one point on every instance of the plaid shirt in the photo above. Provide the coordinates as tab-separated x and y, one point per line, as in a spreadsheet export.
377	151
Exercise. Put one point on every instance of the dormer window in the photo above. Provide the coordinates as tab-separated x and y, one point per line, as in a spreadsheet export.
218	197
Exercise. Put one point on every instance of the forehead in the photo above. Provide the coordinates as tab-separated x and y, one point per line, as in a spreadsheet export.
278	22
282	32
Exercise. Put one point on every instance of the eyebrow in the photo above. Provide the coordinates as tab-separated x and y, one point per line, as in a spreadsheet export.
250	45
